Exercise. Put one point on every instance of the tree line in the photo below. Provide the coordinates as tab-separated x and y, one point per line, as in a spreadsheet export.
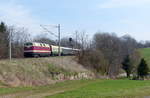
107	53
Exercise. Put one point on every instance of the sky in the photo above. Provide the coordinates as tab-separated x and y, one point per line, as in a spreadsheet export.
130	17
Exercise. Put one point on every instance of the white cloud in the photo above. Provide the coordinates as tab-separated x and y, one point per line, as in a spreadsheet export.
18	15
123	3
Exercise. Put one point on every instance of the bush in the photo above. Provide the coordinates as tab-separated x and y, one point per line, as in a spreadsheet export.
94	60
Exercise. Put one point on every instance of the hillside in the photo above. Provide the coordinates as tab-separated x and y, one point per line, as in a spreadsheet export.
41	71
145	53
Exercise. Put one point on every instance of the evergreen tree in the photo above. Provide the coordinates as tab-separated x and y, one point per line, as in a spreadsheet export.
2	27
127	66
4	40
142	69
2	32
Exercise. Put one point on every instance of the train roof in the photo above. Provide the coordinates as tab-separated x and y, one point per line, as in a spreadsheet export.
37	44
70	49
47	45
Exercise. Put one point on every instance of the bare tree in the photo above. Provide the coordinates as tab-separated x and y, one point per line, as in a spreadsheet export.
43	39
67	42
83	40
110	46
112	49
129	44
19	37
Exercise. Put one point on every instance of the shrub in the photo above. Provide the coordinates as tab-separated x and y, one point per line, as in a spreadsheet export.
94	60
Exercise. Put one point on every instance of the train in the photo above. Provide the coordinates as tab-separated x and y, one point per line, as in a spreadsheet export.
35	49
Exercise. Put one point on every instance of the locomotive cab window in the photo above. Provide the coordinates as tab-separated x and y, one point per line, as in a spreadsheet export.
28	44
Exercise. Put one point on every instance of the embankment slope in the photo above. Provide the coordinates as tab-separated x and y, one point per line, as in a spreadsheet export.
41	71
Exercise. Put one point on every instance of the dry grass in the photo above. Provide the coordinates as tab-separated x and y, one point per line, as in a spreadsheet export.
34	71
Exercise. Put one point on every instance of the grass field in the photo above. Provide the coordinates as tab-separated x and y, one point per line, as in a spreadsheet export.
85	89
109	89
145	53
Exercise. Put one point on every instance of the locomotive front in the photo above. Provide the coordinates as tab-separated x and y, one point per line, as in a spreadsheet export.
33	49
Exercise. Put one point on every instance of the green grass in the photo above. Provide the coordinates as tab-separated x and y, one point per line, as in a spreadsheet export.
14	90
88	89
145	53
108	89
66	85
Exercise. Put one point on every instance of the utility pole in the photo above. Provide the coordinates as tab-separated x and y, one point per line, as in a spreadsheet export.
59	40
76	39
10	35
59	37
